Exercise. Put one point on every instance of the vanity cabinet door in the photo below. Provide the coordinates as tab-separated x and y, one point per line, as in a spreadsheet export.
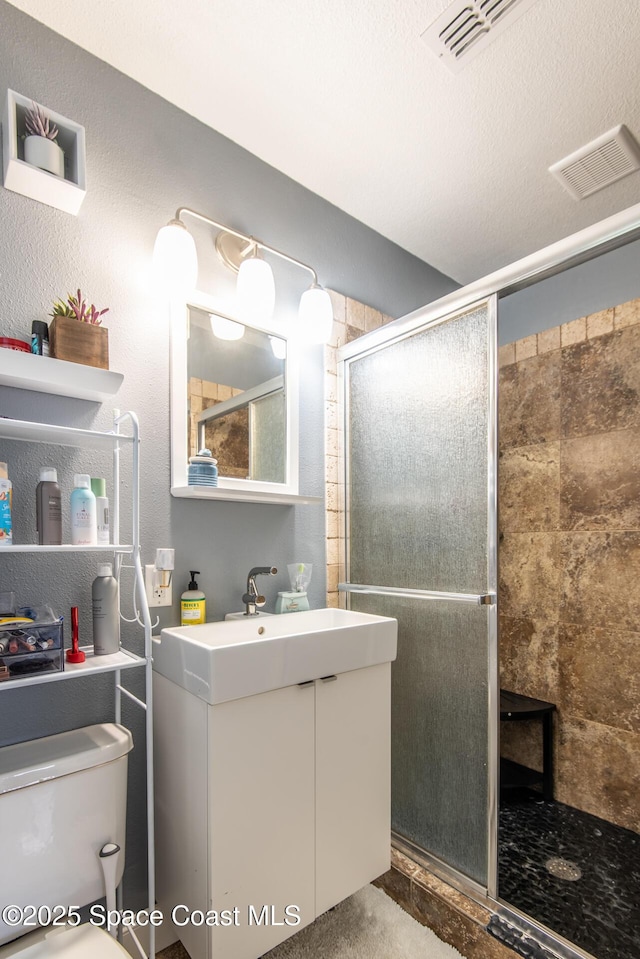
353	782
261	817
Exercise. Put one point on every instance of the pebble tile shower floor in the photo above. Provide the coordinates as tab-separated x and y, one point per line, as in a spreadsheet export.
600	911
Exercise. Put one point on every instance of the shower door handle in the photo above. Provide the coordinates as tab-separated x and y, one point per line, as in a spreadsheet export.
487	599
474	599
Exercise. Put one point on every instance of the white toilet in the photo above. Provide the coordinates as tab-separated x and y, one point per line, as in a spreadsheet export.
62	799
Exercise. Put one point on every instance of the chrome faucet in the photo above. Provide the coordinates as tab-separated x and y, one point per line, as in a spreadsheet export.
252	598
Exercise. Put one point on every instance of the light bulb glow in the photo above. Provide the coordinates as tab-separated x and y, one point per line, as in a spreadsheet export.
226	329
256	290
175	261
316	315
279	347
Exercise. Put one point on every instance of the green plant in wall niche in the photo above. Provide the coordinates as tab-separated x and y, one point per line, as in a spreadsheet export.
76	307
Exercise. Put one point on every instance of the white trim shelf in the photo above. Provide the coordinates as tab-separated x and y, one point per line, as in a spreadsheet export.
243	495
44	374
29	432
91	667
64	548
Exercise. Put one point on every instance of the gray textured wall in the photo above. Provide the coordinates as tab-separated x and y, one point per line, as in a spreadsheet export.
606	281
145	158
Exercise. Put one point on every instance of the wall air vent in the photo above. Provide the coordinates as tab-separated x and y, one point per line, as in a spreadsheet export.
465	28
603	161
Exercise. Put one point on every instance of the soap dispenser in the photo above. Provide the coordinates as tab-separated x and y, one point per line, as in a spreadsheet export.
192	603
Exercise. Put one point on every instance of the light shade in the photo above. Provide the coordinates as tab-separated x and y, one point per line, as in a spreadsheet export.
278	347
256	290
226	329
316	315
175	261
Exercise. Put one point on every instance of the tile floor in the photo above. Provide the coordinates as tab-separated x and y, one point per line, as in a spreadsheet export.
600	911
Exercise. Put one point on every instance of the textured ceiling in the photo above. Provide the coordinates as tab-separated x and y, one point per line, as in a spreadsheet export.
345	97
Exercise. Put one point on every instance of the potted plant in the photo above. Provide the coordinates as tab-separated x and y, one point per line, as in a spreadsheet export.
76	333
40	147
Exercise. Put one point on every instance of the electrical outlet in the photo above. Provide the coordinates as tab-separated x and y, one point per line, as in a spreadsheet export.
157	595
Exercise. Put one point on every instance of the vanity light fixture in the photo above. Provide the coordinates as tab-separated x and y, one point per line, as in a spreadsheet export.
256	289
175	261
176	266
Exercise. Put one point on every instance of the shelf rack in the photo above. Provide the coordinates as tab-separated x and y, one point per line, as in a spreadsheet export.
64	548
92	666
117	663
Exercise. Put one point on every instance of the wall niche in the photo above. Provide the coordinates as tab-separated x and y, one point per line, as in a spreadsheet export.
64	189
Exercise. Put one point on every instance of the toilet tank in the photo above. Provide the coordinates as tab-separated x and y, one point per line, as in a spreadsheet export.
61	799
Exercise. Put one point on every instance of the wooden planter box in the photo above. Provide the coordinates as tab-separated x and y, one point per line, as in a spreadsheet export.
77	342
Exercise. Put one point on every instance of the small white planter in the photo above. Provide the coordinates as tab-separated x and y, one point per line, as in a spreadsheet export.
45	154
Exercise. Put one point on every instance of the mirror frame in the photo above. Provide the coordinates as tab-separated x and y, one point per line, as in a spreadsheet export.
178	399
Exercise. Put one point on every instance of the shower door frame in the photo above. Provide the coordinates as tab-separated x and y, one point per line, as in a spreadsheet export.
488	598
609	234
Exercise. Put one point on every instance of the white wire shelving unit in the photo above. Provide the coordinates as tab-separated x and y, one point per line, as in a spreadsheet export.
125	556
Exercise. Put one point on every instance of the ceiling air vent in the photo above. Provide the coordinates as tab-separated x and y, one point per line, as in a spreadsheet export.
603	161
466	28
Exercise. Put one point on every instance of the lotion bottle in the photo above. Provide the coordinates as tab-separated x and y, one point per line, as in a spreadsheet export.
192	603
99	490
106	612
83	512
48	508
6	493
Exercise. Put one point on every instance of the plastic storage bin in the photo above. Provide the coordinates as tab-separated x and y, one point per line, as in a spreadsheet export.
30	648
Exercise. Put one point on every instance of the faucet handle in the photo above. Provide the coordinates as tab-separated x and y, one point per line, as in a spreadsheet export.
254	598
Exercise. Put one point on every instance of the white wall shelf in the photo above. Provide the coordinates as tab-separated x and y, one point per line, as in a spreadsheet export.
64	548
44	374
63	192
91	667
29	432
243	495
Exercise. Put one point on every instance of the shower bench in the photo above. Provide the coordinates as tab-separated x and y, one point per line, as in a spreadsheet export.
517	708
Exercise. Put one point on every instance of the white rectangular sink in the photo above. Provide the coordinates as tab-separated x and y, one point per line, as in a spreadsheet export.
228	660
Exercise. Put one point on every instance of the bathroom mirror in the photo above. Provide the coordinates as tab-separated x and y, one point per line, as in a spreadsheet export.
233	391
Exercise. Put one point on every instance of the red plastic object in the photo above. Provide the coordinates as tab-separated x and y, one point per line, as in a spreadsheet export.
74	655
9	343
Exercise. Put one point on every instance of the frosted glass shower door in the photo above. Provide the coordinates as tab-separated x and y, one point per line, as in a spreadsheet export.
421	546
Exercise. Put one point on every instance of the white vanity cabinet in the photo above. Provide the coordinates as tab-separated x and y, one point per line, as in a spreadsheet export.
272	800
353	786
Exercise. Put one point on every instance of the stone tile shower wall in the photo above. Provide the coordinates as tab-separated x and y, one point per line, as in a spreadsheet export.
351	320
569	483
227	437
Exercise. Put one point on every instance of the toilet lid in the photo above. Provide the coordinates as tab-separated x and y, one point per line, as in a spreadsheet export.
77	942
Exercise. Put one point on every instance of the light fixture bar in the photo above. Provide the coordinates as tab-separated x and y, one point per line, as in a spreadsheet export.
251	240
176	270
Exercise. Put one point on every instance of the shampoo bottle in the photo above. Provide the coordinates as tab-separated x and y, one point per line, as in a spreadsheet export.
106	612
6	529
48	508
192	603
83	512
99	490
